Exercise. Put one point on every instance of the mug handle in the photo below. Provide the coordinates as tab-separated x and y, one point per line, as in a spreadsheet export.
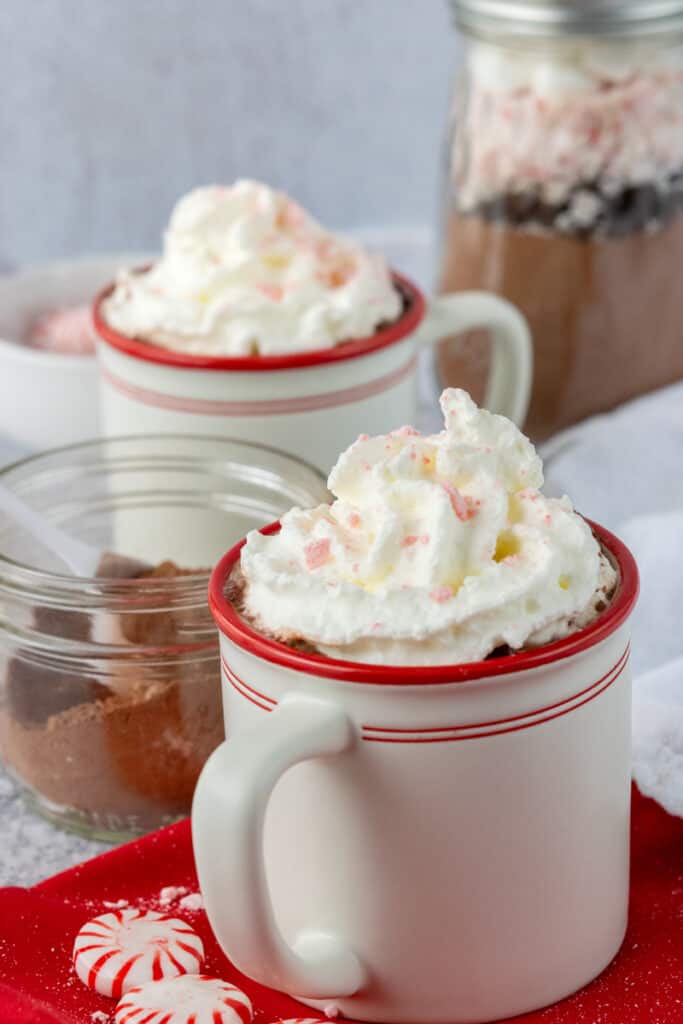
509	384
228	813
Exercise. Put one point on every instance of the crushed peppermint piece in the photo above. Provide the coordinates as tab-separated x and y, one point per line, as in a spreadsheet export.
463	505
409	540
317	553
275	292
193	901
170	893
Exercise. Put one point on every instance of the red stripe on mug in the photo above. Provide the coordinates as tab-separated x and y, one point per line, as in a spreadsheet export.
271	407
259	699
444	734
514	718
418	738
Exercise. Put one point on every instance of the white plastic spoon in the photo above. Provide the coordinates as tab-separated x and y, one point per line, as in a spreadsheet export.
83	559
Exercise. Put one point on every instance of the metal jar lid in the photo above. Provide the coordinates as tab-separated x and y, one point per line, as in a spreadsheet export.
633	18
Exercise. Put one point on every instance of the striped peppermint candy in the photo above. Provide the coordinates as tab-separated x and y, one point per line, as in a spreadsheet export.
128	947
190	999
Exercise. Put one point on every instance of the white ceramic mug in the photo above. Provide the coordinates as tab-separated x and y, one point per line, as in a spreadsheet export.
421	844
308	403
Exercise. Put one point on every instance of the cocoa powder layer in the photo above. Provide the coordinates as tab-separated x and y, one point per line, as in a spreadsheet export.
129	747
132	755
606	314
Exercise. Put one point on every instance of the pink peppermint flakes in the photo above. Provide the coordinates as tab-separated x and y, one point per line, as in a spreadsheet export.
290	216
441	594
463	506
355	520
405	432
317	553
363	437
274	292
409	540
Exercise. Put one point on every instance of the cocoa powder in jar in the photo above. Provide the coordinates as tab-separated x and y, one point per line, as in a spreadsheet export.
118	753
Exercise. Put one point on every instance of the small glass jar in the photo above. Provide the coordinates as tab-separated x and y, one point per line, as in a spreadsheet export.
564	193
110	698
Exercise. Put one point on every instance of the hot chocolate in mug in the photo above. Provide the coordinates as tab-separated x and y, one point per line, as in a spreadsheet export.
421	844
307	402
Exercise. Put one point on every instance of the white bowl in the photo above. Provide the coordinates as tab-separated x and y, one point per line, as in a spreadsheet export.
48	399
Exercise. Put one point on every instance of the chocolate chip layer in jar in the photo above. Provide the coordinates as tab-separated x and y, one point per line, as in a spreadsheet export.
564	193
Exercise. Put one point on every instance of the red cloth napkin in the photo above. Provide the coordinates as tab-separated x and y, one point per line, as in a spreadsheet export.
644	985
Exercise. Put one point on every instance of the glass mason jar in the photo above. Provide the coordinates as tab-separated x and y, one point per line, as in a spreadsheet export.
564	193
110	696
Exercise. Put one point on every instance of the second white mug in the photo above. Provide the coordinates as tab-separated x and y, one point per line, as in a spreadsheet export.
307	403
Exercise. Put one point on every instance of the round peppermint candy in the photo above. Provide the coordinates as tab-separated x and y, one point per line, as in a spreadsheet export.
191	999
124	948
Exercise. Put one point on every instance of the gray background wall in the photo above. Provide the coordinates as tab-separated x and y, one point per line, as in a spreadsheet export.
110	109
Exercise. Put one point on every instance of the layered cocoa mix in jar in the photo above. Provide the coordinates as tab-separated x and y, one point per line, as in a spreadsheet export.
565	195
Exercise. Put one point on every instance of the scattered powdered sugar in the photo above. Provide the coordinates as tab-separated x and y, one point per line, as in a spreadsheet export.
182	896
193	901
115	905
170	893
99	1017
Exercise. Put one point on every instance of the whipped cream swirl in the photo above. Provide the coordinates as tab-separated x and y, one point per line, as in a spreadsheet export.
246	271
437	550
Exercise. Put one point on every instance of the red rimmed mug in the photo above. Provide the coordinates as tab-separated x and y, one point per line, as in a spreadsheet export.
421	844
310	403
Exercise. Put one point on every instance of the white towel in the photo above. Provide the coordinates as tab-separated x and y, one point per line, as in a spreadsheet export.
625	470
